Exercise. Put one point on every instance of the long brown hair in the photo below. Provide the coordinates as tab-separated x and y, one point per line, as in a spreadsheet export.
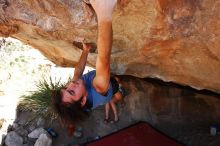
68	113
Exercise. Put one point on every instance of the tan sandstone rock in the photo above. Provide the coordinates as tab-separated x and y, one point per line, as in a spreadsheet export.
175	40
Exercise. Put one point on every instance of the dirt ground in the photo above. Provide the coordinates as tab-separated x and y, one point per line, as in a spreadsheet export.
93	127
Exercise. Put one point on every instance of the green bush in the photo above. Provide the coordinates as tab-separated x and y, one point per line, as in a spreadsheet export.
39	100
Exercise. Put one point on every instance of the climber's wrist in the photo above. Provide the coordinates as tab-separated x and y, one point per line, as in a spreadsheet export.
104	18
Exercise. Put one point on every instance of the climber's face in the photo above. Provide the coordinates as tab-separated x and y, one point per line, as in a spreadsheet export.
74	91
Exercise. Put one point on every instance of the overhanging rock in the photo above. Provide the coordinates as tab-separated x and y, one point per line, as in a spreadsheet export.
175	41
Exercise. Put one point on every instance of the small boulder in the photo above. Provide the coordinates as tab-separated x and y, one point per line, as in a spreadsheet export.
37	132
13	139
44	140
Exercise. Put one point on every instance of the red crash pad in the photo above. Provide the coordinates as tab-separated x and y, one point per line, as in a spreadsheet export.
140	134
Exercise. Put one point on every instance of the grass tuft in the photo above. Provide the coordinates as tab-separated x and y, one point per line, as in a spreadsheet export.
39	101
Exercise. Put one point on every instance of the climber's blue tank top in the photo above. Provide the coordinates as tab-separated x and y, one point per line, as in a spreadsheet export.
94	97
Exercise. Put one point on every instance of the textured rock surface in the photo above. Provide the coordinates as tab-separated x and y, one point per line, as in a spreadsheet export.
172	40
36	133
13	139
43	140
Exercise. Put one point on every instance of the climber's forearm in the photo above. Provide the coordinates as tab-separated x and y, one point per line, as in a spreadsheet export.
102	78
81	65
104	48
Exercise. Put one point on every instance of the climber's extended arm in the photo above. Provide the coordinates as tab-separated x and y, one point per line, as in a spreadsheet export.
104	9
82	62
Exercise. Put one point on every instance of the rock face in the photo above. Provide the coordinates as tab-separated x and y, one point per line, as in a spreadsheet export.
175	41
43	140
158	102
36	133
13	139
